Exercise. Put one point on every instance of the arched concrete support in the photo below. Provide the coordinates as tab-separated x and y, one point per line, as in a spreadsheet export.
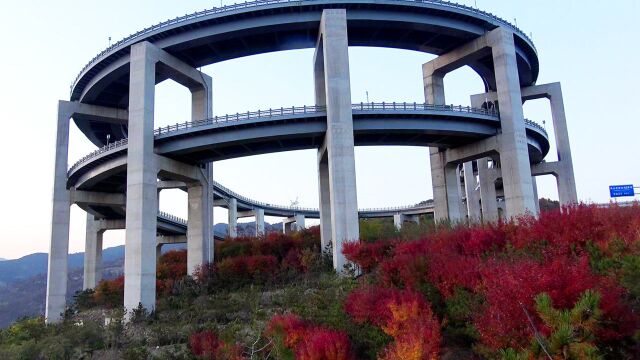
472	195
146	60
487	191
233	218
514	155
92	253
333	89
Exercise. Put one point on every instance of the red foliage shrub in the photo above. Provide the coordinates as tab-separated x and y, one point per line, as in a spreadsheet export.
172	266
510	288
402	314
366	254
248	265
110	293
323	344
308	342
207	345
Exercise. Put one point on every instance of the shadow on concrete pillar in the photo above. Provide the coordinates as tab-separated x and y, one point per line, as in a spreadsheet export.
92	254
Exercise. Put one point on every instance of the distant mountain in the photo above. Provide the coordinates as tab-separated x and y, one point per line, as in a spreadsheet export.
23	281
3	259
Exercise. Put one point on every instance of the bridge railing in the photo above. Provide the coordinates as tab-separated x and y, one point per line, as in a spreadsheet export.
102	150
257	203
170	22
314	109
173	218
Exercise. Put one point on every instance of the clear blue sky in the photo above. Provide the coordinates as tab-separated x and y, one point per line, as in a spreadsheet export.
590	46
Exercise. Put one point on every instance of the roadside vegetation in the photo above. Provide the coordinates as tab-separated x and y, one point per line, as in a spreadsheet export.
565	285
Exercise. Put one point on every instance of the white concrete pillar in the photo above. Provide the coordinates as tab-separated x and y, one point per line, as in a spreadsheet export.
259	221
453	198
398	221
473	196
325	201
487	192
60	215
566	181
92	254
142	198
514	154
233	218
535	194
300	222
332	74
441	208
159	251
199	227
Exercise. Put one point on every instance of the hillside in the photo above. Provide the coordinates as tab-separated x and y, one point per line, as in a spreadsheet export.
562	286
23	281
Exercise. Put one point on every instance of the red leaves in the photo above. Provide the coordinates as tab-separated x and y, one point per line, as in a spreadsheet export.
402	314
248	265
367	255
207	345
110	293
308	342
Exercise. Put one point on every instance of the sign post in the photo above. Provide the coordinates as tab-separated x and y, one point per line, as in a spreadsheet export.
616	191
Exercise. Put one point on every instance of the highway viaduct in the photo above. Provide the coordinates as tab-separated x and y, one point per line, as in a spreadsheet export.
483	157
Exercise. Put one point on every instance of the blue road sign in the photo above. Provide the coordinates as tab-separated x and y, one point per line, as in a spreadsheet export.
621	190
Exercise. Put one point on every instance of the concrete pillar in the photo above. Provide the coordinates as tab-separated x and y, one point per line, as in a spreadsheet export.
159	251
441	208
325	201
142	201
473	198
233	218
535	194
453	198
433	89
300	222
59	237
398	221
514	154
199	226
259	221
487	192
567	193
331	72
92	254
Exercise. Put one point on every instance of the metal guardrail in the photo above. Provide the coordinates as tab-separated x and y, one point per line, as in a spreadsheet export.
227	8
173	218
250	115
315	109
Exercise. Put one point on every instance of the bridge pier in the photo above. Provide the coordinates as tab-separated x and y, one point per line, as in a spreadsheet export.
259	214
294	223
232	206
336	157
473	200
92	253
488	196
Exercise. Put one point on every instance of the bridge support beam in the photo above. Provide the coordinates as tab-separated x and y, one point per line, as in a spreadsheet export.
259	213
333	89
563	168
92	254
487	191
232	230
513	149
294	223
146	60
199	225
473	199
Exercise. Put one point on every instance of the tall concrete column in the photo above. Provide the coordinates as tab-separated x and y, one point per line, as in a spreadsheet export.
233	218
473	200
60	215
259	221
325	201
487	192
142	198
514	154
199	226
92	254
453	198
535	194
398	221
158	251
441	208
331	72
567	193
300	222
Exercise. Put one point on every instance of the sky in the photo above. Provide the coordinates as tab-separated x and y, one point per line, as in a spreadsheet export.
590	46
